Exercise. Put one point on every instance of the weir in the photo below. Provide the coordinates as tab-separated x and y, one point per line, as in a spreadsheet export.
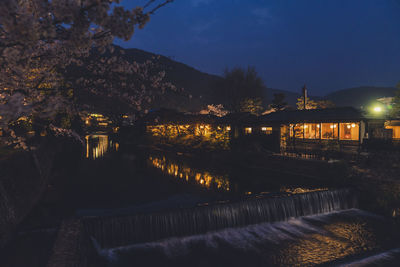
112	232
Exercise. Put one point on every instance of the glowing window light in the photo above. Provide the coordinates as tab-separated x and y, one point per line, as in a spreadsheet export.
228	128
248	130
266	130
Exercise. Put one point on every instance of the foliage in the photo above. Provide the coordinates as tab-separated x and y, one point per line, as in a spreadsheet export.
312	104
216	110
278	102
238	87
198	136
252	105
322	104
40	39
395	111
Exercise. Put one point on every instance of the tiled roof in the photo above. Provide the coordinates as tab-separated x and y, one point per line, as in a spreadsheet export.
315	115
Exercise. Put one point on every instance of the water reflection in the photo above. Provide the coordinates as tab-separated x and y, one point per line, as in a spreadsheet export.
326	239
190	175
242	182
97	145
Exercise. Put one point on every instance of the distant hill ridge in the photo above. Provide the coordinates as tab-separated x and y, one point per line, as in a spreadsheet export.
201	86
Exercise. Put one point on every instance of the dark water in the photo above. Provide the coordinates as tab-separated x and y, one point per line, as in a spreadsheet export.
237	180
269	219
337	238
97	145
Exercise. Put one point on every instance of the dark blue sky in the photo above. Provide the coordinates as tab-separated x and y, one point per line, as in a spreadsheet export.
327	44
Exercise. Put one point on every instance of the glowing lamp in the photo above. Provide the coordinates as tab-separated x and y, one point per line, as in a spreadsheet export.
377	109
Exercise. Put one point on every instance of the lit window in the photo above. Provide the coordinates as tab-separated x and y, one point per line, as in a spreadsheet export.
291	129
311	131
299	130
228	128
266	130
349	131
329	130
247	130
395	131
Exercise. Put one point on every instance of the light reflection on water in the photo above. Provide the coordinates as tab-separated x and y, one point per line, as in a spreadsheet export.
190	175
97	145
308	241
222	181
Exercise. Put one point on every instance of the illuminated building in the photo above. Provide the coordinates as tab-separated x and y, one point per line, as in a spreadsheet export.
344	129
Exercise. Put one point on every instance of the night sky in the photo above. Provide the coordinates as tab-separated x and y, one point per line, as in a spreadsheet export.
327	44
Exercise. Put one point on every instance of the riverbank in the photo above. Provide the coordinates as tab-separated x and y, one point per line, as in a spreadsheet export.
378	178
24	178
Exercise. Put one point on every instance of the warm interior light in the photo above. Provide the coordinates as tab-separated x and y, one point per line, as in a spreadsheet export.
228	128
348	126
264	129
353	125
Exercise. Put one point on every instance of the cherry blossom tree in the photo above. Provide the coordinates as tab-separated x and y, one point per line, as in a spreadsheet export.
216	110
41	39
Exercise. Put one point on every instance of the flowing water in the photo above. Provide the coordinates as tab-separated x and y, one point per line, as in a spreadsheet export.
117	231
267	220
337	238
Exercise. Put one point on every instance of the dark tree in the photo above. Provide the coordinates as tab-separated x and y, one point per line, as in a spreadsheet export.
240	87
395	111
323	104
278	102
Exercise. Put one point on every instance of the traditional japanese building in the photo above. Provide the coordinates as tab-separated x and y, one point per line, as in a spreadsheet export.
340	129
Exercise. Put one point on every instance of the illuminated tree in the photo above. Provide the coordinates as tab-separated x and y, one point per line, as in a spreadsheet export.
240	88
48	36
216	110
311	104
252	105
322	104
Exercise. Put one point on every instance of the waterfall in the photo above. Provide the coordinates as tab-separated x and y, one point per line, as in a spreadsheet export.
120	231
